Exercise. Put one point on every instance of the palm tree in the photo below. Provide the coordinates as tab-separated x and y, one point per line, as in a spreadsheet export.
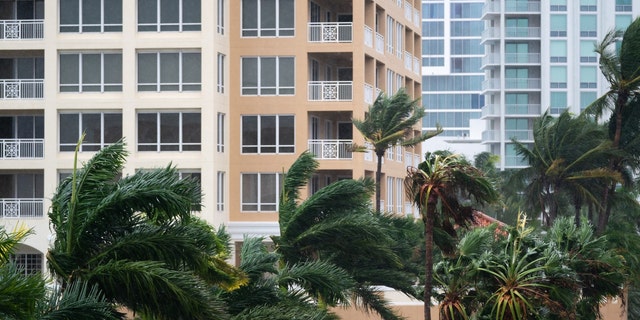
336	225
441	187
622	71
568	160
136	239
391	121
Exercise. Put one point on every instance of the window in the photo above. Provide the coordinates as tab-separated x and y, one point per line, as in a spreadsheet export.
587	51
100	129
558	77
268	134
390	183
588	25
430	28
433	47
586	98
588	5
220	135
399	194
390	33
399	40
168	15
28	263
220	78
558	102
432	11
169	131
558	25
466	28
169	71
558	5
260	191
90	72
467	46
220	191
623	21
391	75
90	15
220	16
623	5
433	62
466	65
467	10
558	51
268	18
588	77
517	27
268	76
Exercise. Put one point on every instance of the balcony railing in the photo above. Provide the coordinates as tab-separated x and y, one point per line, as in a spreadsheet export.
416	65
491	59
331	149
379	43
517	58
491	84
21	29
22	89
368	154
408	60
522	109
330	90
490	135
408	11
368	94
416	17
21	148
520	135
330	31
515	161
368	36
522	32
21	208
518	83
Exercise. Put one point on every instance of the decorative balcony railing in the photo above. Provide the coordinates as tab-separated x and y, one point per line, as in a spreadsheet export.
330	90
331	149
21	148
21	29
21	208
368	36
22	89
330	32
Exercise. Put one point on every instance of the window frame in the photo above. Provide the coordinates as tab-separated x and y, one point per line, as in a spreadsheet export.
260	204
71	145
220	72
220	136
181	144
117	87
103	27
260	89
257	32
259	146
161	86
220	17
220	177
179	26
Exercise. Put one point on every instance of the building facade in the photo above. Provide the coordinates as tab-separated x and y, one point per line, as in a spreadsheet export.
538	56
231	101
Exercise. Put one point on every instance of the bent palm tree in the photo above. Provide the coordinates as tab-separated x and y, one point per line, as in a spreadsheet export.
390	121
135	238
441	187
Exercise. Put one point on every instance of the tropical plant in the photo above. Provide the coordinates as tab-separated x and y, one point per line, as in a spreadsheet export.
567	162
621	69
391	121
135	238
442	188
336	225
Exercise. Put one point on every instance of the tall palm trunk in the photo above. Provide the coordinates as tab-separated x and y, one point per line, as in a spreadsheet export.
428	219
380	155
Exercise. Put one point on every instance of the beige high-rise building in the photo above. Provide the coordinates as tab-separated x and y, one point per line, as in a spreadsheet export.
228	91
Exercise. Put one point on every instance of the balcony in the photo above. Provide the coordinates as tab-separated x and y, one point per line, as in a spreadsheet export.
379	43
21	149
491	85
521	58
522	6
522	83
330	90
370	95
416	66
21	208
408	61
522	32
515	162
490	136
331	149
491	8
331	32
492	59
520	135
416	17
12	89
368	36
21	29
408	11
523	109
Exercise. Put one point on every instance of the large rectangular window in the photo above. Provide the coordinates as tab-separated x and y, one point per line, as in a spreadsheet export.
588	25
587	51
558	77
169	131
169	71
260	191
558	25
90	72
90	15
169	15
268	76
558	50
558	102
268	18
220	75
588	77
268	134
100	129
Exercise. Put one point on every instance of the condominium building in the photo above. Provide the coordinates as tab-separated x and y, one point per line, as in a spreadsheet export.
231	101
538	56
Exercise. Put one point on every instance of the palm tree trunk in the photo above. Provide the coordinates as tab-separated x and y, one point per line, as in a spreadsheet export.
428	219
603	217
378	178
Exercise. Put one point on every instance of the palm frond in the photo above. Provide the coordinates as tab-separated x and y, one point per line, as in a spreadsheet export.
79	301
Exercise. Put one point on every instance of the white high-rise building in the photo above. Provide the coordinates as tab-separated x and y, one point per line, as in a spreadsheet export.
538	56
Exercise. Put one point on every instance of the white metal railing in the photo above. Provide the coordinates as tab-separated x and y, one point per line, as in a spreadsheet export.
368	154
379	43
416	65
408	208
368	36
408	11
330	90
368	94
522	58
526	83
21	89
408	159
416	160
416	17
408	60
399	153
21	148
330	31
331	148
21	29
21	208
